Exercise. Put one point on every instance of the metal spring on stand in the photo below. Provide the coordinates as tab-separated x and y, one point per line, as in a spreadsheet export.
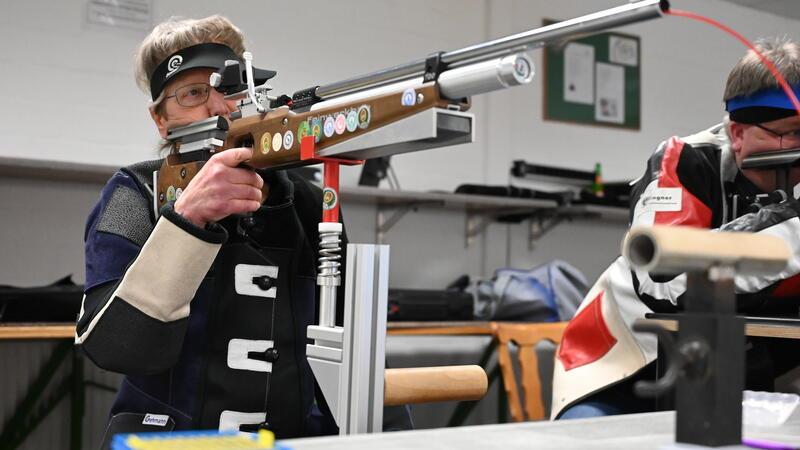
329	254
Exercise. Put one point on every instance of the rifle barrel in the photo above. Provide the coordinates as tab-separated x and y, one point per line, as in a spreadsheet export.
622	15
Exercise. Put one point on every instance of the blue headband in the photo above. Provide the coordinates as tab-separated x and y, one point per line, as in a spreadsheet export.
767	98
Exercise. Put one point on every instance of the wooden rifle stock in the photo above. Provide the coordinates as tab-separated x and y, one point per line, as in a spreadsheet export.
276	136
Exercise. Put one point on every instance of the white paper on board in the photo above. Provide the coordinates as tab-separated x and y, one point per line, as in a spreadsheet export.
579	73
610	104
623	51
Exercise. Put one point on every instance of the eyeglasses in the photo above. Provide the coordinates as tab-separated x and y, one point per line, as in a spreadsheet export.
192	94
792	137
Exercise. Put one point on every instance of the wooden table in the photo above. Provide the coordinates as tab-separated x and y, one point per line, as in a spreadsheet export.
439	328
465	328
67	330
18	331
751	328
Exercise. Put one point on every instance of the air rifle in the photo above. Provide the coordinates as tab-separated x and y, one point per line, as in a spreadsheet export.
341	120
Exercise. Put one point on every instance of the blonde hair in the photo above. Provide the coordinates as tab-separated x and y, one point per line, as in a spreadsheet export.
175	34
750	75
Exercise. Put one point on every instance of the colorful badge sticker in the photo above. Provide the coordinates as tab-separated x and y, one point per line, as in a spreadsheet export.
266	142
178	193
329	126
171	194
329	199
288	139
316	129
363	116
352	120
409	97
340	123
277	141
303	130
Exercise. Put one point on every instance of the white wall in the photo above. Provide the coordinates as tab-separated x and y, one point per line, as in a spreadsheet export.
684	67
99	116
68	94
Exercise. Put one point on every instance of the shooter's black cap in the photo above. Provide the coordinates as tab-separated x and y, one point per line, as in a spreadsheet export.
208	55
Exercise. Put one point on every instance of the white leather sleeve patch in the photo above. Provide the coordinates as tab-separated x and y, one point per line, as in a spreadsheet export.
165	276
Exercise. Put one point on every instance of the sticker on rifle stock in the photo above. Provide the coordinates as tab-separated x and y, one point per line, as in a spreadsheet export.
277	141
288	139
363	116
303	130
328	129
171	194
178	193
409	97
316	129
352	120
266	142
340	123
329	199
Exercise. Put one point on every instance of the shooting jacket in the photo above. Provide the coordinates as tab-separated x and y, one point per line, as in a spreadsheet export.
177	308
688	181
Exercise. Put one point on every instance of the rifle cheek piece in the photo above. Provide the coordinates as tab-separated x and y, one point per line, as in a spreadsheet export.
228	80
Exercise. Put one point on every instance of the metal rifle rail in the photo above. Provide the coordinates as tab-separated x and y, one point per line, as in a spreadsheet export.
773	159
590	23
214	123
781	161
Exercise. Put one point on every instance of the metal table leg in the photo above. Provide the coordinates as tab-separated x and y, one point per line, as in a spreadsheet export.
26	417
77	401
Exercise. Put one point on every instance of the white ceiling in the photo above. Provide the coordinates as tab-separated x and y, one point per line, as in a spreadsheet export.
783	8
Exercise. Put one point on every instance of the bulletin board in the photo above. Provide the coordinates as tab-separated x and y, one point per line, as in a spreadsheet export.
595	80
